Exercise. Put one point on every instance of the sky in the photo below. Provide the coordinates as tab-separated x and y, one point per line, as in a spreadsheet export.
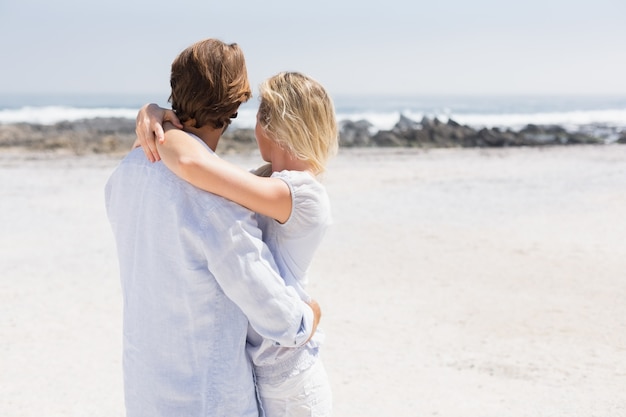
390	47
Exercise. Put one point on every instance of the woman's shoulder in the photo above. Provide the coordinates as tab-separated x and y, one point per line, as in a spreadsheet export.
310	202
302	183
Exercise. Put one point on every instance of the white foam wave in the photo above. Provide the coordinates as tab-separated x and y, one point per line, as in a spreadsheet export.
380	120
571	120
49	115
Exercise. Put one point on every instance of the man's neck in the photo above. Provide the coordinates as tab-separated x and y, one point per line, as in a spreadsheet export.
208	134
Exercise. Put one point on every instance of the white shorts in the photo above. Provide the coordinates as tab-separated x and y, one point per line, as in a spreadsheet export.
306	394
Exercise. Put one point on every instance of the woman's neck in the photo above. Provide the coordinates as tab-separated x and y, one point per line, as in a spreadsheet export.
284	160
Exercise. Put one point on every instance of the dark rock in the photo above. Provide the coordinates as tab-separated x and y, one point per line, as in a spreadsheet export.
405	124
555	135
237	140
355	133
386	138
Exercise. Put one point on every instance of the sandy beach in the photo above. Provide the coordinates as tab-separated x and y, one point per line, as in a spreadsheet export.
454	283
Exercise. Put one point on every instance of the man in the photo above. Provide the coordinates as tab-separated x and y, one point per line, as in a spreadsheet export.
193	268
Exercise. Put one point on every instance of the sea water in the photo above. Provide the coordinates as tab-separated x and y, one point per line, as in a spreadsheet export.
602	113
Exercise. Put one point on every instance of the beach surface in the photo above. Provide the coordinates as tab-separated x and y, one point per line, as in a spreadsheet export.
453	283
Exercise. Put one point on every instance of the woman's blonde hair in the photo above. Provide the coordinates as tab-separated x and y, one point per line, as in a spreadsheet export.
299	115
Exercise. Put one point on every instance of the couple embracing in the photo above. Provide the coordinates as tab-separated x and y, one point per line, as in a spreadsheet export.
213	258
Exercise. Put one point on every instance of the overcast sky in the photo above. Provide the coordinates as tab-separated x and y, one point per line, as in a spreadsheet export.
352	47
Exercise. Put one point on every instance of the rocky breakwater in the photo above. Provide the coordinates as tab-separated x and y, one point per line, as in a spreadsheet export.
98	135
433	133
116	136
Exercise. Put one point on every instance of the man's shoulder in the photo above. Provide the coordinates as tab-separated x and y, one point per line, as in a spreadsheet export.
208	203
135	171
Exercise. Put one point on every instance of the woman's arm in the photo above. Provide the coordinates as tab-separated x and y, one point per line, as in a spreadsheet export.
188	159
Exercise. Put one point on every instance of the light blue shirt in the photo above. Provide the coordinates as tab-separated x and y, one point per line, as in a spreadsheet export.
194	275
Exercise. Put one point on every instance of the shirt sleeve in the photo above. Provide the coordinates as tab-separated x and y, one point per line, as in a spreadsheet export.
245	270
310	202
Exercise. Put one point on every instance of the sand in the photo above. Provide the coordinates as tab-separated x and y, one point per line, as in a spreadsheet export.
454	282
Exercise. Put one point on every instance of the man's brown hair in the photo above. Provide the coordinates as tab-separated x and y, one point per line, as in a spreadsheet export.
209	82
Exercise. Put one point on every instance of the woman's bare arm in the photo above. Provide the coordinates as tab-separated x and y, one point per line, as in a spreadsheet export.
189	160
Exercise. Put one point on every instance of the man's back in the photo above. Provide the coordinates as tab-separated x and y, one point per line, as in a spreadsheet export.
184	339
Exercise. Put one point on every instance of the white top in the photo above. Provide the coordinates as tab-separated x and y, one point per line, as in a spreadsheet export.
293	245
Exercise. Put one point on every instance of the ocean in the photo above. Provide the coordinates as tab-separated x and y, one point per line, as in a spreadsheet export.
602	115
